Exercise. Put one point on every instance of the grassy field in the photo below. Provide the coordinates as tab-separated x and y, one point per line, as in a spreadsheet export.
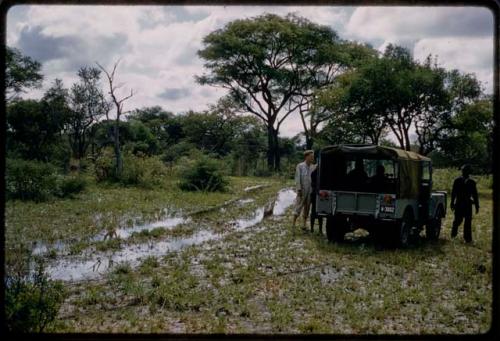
266	278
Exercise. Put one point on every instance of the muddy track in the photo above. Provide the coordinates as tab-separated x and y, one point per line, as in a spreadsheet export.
95	264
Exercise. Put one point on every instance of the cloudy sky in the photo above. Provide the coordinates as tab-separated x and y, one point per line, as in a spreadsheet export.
157	45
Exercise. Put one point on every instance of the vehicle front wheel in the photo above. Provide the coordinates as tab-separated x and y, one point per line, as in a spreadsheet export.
433	227
404	230
335	229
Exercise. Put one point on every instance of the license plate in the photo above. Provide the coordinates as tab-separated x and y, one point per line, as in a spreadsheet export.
387	209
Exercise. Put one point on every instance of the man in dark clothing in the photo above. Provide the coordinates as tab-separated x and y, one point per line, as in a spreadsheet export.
357	177
314	177
378	180
463	195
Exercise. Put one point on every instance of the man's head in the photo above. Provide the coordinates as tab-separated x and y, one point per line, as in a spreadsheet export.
466	170
359	164
380	171
309	156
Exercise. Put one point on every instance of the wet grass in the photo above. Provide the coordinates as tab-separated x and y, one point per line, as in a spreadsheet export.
106	207
270	279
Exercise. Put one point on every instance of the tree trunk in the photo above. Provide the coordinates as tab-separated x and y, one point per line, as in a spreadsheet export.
407	140
118	155
309	141
273	152
277	156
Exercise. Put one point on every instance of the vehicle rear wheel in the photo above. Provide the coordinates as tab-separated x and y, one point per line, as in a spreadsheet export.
405	227
433	227
335	229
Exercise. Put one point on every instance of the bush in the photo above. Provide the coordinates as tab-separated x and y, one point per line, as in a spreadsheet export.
69	185
32	301
104	165
137	169
205	174
30	180
143	171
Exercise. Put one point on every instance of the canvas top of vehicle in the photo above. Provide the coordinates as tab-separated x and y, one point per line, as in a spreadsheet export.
403	170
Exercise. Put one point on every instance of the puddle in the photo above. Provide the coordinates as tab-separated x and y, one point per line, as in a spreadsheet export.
124	233
71	269
284	200
40	248
257	217
75	270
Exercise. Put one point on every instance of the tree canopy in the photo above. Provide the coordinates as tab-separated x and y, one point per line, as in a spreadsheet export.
269	64
21	73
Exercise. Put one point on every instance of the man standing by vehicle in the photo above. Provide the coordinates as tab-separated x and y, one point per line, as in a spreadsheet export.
463	195
303	188
314	216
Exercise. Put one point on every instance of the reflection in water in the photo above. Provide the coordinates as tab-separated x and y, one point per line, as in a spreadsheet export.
72	269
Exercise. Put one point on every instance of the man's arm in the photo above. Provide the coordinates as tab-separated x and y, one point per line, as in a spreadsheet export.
453	194
475	196
298	179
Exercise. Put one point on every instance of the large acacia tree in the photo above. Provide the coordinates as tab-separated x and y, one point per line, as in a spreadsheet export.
269	64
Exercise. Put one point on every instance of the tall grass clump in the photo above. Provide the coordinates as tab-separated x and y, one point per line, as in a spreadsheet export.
204	174
32	300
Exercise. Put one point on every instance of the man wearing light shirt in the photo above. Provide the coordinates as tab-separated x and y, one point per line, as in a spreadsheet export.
303	188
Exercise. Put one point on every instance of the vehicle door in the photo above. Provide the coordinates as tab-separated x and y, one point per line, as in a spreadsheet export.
425	189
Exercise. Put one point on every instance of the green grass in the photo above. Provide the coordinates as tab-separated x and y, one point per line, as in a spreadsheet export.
274	280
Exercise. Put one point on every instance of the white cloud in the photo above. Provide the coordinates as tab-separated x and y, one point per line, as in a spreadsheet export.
158	44
474	55
461	37
403	23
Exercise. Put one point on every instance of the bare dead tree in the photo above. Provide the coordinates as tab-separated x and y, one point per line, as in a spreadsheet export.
119	112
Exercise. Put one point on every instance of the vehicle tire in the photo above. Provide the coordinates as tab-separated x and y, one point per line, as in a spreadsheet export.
405	229
433	227
335	229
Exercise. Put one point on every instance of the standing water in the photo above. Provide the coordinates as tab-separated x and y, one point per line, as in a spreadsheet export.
71	269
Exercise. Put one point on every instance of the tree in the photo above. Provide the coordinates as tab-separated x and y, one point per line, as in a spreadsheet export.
134	136
350	114
88	106
398	93
340	130
267	61
450	92
471	137
32	131
56	103
21	73
113	87
166	126
340	60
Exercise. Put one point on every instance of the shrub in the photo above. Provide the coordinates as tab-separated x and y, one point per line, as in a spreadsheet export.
104	165
137	169
70	185
143	171
204	175
29	180
31	299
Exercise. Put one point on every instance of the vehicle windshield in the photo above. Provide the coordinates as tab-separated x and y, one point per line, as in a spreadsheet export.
358	173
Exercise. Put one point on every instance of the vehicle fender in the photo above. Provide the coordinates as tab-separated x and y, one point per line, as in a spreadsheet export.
404	204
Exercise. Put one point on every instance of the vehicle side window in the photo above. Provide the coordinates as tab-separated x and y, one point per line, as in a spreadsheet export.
426	171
